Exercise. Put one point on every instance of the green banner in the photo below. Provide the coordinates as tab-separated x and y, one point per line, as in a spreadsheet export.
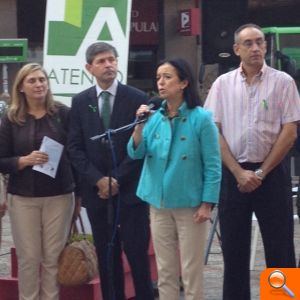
71	26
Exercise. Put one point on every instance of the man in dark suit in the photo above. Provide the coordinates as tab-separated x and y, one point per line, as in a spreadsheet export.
110	104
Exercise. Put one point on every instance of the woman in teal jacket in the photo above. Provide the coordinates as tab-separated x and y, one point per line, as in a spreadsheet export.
180	178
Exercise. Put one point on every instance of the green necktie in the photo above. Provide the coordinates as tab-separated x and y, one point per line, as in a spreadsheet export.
105	109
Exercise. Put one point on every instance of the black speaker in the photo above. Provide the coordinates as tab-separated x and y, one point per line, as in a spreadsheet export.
220	18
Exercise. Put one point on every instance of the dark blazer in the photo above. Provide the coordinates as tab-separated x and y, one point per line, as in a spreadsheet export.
91	158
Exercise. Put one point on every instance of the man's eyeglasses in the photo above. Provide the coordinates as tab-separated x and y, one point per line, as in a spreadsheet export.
249	43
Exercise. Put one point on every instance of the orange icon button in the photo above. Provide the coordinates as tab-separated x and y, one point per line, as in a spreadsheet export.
278	283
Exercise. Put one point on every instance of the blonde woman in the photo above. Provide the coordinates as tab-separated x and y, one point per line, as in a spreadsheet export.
40	207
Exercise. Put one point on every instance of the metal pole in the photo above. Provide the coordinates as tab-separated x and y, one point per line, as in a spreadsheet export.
5	95
212	232
5	78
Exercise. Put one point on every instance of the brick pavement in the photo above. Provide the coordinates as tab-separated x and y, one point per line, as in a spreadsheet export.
214	269
213	275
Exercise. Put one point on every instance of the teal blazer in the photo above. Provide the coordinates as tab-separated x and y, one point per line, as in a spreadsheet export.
182	161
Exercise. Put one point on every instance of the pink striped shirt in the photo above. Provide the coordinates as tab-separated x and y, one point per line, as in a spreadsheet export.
251	116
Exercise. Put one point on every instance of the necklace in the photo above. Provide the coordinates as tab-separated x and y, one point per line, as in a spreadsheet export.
171	113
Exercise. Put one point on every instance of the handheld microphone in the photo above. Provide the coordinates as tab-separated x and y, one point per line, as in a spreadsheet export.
153	104
156	102
143	117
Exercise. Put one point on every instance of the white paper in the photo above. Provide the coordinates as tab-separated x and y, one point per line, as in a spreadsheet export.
54	151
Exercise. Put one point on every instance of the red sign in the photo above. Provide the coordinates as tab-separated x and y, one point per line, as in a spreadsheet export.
144	23
189	21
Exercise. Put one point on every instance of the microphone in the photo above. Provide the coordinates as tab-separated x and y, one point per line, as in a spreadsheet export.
156	102
153	104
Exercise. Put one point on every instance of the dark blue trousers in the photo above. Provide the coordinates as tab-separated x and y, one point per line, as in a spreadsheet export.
272	204
132	236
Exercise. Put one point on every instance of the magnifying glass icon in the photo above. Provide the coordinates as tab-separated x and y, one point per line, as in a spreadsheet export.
277	280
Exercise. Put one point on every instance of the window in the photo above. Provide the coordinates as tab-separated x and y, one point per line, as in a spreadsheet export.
31	20
141	69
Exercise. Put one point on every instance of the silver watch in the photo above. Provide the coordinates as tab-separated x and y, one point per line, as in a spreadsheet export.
259	173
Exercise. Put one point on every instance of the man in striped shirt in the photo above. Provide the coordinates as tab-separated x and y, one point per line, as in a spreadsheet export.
256	109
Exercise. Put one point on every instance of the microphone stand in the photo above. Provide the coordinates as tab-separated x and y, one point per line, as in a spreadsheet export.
110	220
118	130
110	207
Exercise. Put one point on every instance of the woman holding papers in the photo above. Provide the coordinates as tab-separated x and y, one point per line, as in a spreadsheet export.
40	203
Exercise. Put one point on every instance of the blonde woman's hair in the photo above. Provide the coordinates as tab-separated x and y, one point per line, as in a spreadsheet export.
18	108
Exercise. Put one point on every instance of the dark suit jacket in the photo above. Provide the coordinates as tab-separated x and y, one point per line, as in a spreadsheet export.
91	159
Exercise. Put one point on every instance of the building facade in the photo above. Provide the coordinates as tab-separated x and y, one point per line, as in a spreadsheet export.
159	29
